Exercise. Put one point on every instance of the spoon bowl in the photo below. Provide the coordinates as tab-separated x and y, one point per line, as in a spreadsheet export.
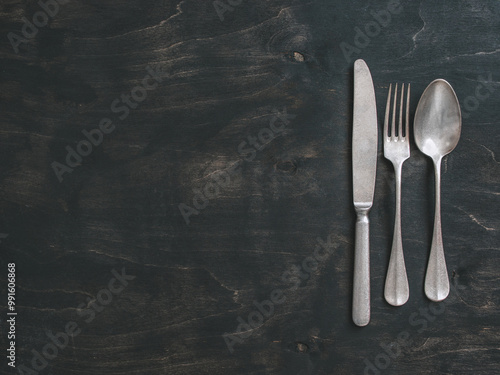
437	127
438	120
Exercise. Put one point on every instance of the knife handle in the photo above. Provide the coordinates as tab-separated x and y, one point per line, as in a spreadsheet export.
361	285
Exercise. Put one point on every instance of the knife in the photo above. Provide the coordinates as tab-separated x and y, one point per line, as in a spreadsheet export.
364	165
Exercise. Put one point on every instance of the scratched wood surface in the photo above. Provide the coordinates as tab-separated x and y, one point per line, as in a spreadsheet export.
223	161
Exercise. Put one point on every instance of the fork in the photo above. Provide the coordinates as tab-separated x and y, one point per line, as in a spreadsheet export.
397	150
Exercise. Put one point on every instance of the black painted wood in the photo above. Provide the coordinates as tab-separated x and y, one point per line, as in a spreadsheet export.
220	73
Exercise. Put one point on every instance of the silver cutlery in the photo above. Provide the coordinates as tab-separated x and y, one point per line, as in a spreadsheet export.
397	150
437	128
364	165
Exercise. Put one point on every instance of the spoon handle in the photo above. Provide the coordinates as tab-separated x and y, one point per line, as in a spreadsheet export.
437	285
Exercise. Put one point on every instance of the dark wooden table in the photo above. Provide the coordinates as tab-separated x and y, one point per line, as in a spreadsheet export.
176	187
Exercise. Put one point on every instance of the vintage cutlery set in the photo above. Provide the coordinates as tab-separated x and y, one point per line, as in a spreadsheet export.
436	129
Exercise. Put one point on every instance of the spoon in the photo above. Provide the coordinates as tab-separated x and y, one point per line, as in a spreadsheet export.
436	128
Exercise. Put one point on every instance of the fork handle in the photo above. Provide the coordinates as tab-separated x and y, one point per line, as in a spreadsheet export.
396	290
361	284
437	285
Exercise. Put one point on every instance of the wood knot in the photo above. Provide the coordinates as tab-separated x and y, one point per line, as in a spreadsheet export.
298	57
301	347
295	56
286	166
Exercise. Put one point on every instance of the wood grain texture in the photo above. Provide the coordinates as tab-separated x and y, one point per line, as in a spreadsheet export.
221	82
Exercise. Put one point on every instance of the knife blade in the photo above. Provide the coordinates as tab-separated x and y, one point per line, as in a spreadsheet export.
364	166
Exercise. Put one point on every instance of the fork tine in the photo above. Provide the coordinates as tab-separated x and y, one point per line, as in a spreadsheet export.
393	125
407	129
387	109
400	127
